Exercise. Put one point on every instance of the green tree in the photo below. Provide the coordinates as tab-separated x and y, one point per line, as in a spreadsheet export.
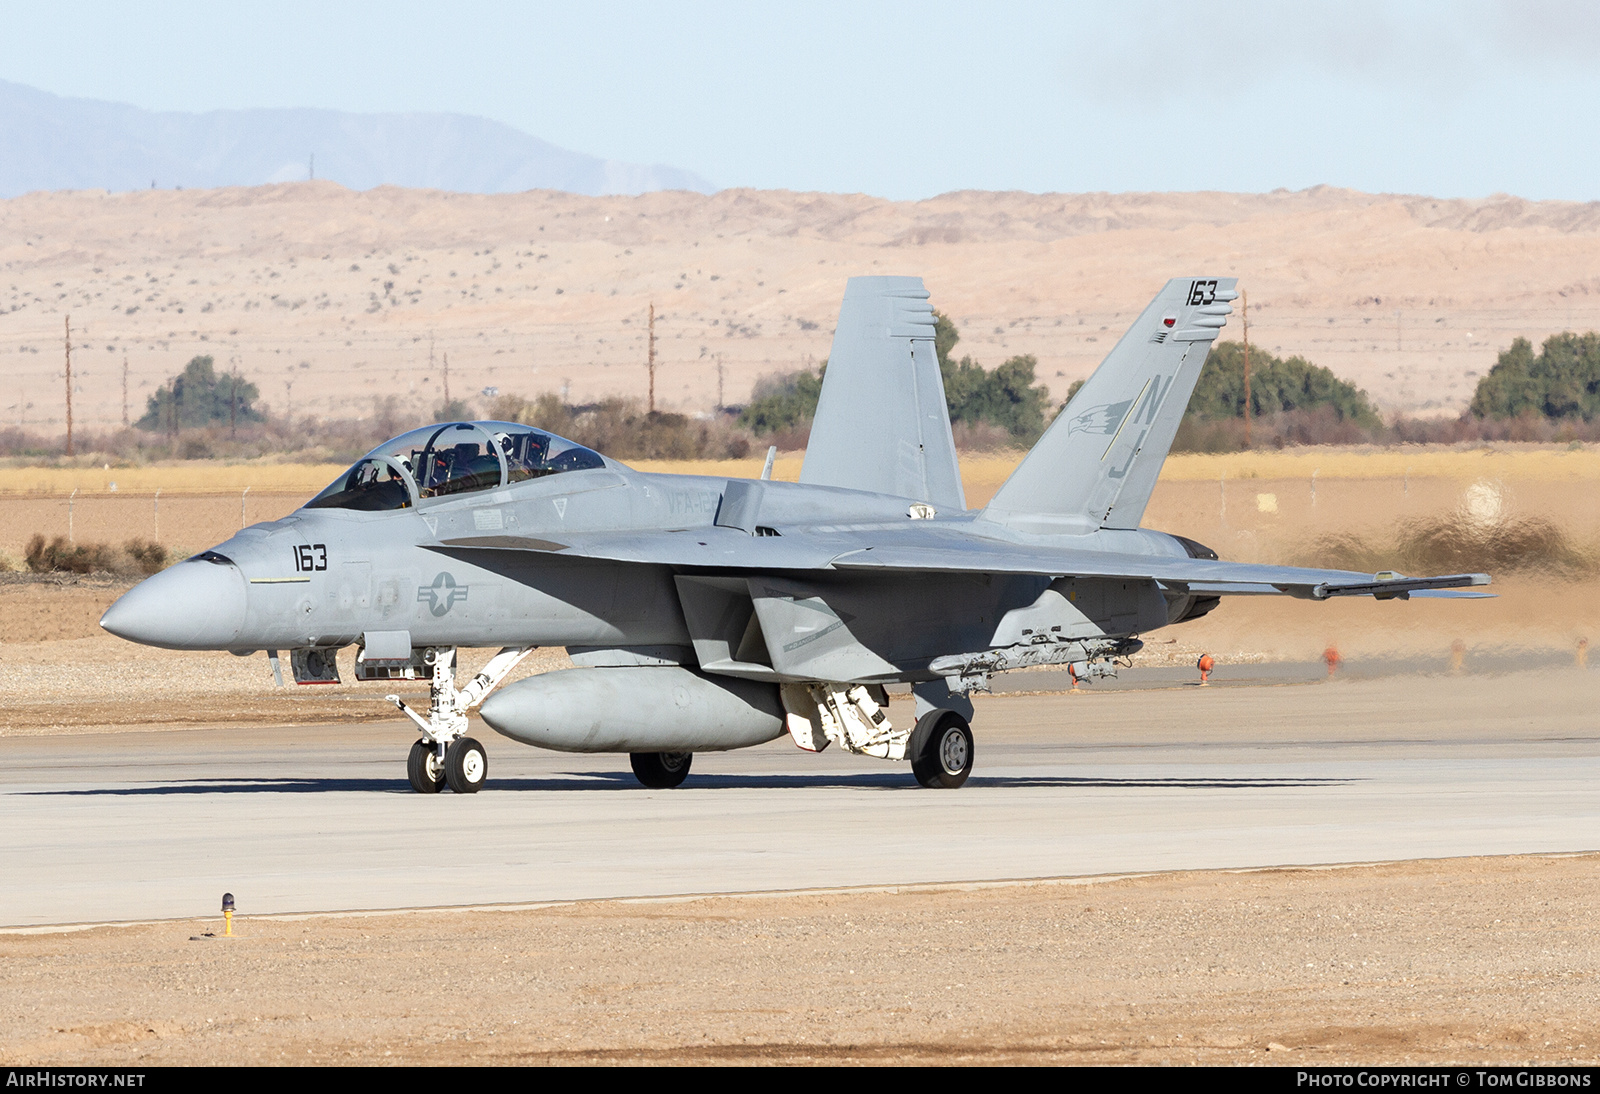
945	337
781	402
1276	385
1007	397
456	410
1562	381
198	397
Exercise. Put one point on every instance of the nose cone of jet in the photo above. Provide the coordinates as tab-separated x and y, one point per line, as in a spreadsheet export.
195	605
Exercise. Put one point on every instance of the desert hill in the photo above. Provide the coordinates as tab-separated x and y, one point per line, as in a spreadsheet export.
330	299
56	143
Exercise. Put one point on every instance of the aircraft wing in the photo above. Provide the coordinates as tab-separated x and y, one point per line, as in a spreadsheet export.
948	550
1197	575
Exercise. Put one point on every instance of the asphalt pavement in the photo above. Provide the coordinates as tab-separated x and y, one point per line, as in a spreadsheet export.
1290	769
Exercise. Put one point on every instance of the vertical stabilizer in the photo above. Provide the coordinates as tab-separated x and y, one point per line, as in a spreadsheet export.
882	423
1097	463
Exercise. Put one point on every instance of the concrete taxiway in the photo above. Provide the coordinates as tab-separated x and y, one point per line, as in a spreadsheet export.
155	824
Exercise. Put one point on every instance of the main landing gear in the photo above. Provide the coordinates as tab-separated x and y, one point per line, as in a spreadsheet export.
941	750
661	770
855	717
446	756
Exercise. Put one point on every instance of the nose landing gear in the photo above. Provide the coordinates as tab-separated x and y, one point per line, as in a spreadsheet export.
446	756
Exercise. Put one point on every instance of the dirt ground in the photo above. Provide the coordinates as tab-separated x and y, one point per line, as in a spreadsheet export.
1491	961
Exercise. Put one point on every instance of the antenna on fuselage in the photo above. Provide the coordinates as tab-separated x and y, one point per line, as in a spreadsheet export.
772	456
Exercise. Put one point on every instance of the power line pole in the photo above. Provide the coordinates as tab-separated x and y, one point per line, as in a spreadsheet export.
720	403
652	358
447	381
69	384
1244	317
124	391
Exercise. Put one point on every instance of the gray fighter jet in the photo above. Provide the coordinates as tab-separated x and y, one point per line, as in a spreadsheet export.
707	613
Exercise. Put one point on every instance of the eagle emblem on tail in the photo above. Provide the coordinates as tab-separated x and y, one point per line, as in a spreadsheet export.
1103	419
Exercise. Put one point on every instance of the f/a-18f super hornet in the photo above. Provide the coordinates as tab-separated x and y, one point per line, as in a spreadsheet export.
707	613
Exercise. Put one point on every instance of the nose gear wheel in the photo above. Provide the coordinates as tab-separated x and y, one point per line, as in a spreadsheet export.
424	768
466	765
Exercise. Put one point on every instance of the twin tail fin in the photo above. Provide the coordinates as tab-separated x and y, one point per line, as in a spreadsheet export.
1097	464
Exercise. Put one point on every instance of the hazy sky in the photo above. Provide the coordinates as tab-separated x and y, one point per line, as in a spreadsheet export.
904	100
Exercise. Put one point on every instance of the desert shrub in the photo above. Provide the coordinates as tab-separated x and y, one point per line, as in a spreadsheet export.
147	557
1457	543
1348	551
624	430
58	556
793	439
984	437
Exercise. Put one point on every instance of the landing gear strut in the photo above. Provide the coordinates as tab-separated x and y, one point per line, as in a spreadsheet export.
446	756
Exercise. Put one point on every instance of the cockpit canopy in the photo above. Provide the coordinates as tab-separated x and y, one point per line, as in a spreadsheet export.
456	458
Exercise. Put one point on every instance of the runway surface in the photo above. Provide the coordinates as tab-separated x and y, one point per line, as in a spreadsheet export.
154	824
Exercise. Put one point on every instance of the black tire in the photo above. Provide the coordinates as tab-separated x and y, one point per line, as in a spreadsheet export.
941	750
424	769
661	770
466	766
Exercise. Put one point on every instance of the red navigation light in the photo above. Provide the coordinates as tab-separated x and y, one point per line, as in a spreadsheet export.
1169	320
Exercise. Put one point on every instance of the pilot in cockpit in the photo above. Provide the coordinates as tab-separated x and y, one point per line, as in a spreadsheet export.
525	454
